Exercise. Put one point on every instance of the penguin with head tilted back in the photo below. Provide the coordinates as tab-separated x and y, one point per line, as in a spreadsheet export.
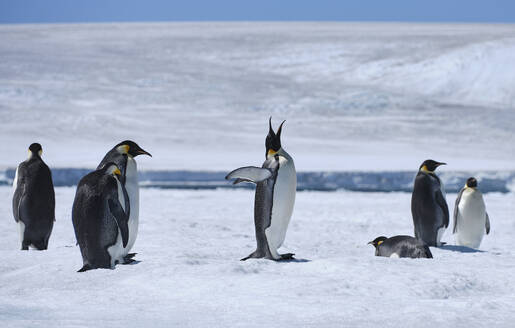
401	246
34	200
471	220
123	155
276	183
428	205
100	220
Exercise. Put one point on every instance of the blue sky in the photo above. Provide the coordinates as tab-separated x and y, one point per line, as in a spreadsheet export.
49	11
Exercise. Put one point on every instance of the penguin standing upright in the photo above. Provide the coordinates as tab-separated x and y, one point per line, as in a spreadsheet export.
276	186
34	200
401	246
471	220
428	205
99	218
123	156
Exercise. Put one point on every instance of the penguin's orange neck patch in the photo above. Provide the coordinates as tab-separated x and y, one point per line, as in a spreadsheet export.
271	152
123	149
425	169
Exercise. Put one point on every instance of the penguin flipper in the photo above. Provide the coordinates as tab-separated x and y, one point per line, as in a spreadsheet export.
440	200
121	219
249	174
487	224
456	211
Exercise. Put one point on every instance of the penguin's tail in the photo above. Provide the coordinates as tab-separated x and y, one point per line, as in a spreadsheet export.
86	267
429	255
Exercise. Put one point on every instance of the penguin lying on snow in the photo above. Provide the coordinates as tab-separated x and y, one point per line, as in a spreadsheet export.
99	218
401	246
428	205
471	220
34	200
276	186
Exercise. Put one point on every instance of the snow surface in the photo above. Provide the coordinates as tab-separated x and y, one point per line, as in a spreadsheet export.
189	274
197	96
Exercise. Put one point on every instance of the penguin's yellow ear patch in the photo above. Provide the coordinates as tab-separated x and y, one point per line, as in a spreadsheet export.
117	171
379	242
123	149
271	152
424	169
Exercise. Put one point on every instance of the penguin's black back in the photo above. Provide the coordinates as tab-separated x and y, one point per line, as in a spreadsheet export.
428	207
263	203
95	228
113	156
404	246
34	202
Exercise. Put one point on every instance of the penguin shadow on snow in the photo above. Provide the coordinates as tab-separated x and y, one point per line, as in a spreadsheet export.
294	260
460	249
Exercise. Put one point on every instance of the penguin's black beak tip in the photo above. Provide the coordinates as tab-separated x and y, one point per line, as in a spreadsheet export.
143	152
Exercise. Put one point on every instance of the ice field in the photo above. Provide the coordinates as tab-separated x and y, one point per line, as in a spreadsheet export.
365	104
189	275
197	95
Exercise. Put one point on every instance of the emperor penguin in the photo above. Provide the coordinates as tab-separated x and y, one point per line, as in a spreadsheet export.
401	246
123	155
34	200
100	220
276	184
471	220
428	205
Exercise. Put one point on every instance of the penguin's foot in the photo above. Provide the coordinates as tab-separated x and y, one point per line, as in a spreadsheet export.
130	256
128	259
287	256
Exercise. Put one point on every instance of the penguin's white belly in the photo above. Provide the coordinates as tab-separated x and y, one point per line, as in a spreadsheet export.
21	227
132	187
471	221
15	181
117	252
282	208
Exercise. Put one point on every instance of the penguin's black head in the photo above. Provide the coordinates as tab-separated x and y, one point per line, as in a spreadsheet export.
131	148
110	168
378	241
35	149
471	182
273	140
430	166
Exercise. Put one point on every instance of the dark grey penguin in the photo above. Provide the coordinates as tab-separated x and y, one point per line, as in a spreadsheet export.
34	200
401	246
276	186
428	205
99	219
123	155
